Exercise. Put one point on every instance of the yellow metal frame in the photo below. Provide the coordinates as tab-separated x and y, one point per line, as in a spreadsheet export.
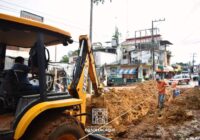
92	69
32	113
89	68
81	92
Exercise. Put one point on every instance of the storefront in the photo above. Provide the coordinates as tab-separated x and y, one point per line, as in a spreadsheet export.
129	75
165	72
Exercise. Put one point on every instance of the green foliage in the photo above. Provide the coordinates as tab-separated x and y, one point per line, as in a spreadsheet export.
182	64
99	1
76	52
116	35
65	59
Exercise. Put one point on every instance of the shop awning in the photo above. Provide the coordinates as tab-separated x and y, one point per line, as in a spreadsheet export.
127	71
165	69
169	68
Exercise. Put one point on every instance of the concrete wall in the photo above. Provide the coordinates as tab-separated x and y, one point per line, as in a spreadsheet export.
103	57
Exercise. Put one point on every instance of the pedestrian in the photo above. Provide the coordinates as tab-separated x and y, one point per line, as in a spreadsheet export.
161	86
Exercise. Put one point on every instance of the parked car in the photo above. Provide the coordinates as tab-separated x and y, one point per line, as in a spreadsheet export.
180	79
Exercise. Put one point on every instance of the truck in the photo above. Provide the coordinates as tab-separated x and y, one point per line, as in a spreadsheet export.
45	114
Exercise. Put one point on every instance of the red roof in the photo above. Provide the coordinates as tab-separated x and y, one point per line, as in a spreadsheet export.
132	41
141	38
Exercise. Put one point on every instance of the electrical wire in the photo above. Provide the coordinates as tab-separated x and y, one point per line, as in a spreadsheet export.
52	18
43	13
48	17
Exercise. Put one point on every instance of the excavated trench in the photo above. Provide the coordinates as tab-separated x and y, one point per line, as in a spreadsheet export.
133	114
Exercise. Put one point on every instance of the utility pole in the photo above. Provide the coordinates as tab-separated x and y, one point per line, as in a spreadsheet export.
193	61
56	53
91	19
153	46
90	35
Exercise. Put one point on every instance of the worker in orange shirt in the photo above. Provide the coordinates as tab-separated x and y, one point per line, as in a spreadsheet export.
161	86
175	91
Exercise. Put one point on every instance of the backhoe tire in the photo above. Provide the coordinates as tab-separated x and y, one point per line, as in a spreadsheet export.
56	128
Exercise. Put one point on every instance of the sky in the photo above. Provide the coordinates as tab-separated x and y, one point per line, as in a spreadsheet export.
181	25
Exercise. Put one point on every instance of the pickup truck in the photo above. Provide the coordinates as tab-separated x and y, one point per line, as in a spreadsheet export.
180	79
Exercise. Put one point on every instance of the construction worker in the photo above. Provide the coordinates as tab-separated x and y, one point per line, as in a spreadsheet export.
161	86
22	77
175	91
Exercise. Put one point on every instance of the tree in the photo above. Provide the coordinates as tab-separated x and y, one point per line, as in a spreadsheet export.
99	1
116	35
65	59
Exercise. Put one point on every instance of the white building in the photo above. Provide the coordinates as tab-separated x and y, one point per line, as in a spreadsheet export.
139	50
103	56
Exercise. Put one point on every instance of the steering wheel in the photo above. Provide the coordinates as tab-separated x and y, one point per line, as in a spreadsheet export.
34	80
33	60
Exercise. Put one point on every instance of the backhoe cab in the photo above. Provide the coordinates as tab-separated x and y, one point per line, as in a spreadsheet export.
45	114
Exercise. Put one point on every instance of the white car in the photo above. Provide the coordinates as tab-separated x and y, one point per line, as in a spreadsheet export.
179	79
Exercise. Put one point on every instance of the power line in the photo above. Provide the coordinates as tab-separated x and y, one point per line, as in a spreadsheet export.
9	7
51	17
17	5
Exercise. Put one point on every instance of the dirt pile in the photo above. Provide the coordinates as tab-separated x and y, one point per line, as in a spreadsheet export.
176	115
180	119
180	108
126	105
192	99
133	113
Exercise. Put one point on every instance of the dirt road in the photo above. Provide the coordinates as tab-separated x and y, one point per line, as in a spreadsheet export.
179	120
133	113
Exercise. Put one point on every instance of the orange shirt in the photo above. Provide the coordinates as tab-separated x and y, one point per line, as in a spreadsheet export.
161	85
174	85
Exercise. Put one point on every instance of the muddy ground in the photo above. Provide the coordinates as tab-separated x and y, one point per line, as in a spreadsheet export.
133	113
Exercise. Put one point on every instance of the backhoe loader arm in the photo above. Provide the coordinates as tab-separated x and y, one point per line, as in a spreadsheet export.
92	70
84	64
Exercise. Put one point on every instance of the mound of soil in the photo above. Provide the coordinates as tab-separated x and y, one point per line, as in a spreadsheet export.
133	113
180	119
126	105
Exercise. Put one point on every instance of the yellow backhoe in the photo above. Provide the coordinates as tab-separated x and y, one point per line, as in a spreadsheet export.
43	114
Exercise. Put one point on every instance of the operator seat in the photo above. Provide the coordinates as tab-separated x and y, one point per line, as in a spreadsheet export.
11	90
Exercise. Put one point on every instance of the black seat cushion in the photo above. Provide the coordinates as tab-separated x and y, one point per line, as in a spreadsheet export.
9	83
